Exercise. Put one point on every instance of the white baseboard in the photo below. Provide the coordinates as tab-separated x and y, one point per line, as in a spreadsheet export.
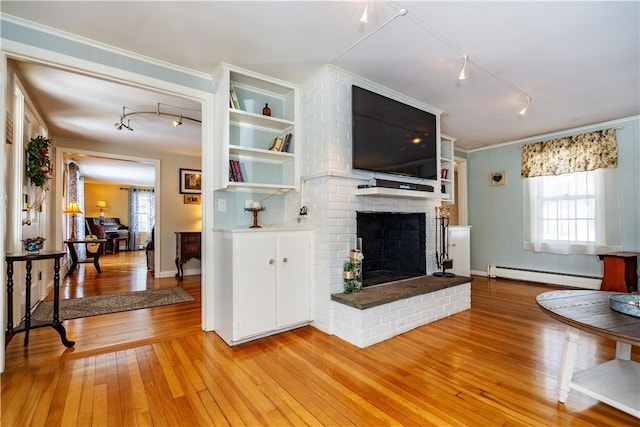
559	279
172	273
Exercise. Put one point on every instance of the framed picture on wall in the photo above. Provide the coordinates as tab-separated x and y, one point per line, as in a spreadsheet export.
496	178
190	181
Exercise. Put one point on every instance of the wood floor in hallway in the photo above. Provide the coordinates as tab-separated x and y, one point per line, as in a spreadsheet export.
493	365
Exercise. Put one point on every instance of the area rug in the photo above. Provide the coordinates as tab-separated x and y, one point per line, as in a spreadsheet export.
104	304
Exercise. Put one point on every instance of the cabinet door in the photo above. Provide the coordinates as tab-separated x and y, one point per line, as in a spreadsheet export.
460	250
255	286
294	279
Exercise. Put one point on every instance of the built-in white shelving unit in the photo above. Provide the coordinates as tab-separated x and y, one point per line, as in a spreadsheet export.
446	180
243	134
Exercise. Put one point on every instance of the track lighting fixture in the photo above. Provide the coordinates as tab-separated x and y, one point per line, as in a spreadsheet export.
462	74
526	107
177	121
365	15
401	12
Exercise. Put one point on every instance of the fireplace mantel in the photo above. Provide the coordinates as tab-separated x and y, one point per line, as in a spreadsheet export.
394	192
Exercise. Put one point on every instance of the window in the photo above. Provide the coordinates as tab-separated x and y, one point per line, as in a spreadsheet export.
141	214
568	208
145	207
573	213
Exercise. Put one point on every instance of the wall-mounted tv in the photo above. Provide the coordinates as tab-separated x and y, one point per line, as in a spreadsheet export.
392	137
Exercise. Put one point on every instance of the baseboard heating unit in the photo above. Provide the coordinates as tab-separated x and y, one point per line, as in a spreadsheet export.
560	279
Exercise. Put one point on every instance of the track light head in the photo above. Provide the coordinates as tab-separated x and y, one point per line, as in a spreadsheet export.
178	122
365	15
462	74
526	107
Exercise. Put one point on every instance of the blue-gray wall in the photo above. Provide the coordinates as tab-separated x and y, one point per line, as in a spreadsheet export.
19	33
495	213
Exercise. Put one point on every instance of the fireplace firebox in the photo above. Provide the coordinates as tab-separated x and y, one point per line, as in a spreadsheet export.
393	245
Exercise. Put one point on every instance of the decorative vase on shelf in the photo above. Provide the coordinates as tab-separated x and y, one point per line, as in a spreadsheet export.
266	111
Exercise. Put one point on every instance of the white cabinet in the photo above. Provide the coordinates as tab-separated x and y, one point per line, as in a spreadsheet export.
447	169
262	282
460	249
243	134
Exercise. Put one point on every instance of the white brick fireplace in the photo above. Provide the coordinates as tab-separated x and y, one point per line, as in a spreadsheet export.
329	190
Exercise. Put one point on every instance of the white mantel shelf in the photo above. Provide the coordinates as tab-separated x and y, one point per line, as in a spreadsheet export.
394	192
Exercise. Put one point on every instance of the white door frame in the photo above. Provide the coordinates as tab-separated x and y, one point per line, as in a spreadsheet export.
461	182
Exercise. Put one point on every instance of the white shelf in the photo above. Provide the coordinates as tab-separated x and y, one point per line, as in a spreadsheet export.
447	162
259	188
616	383
260	154
258	120
394	192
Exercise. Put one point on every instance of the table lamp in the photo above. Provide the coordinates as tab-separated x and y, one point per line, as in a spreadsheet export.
101	205
72	209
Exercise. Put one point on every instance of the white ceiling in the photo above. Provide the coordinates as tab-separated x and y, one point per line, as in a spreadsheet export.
579	61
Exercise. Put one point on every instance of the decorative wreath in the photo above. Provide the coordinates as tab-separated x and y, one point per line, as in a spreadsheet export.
38	162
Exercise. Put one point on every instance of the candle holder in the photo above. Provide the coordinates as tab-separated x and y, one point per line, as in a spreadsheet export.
255	215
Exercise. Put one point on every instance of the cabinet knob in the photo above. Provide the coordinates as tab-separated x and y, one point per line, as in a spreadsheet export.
285	259
271	261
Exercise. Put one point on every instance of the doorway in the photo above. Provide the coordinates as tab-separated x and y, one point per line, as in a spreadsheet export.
132	82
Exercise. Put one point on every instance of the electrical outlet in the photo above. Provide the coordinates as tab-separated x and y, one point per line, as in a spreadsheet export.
222	205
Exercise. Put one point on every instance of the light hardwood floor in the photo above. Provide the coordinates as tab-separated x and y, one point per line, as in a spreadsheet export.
493	365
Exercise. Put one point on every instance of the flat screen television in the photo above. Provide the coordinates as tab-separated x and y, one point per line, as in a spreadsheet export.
392	137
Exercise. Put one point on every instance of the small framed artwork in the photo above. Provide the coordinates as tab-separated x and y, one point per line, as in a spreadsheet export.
497	178
193	199
190	181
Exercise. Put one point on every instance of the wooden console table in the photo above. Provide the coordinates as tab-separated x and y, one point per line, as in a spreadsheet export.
616	382
620	271
94	259
29	324
187	247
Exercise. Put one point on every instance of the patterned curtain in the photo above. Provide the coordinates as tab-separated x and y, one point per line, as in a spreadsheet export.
578	153
75	192
134	227
135	206
152	212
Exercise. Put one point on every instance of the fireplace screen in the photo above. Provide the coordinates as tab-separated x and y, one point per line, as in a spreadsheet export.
393	245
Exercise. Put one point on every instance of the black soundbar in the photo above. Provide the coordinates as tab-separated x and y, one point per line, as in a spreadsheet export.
385	183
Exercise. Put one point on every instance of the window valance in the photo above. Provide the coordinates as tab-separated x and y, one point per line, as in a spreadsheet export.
577	153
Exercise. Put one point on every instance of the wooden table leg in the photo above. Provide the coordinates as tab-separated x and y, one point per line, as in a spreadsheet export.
567	362
9	333
27	297
57	323
74	258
